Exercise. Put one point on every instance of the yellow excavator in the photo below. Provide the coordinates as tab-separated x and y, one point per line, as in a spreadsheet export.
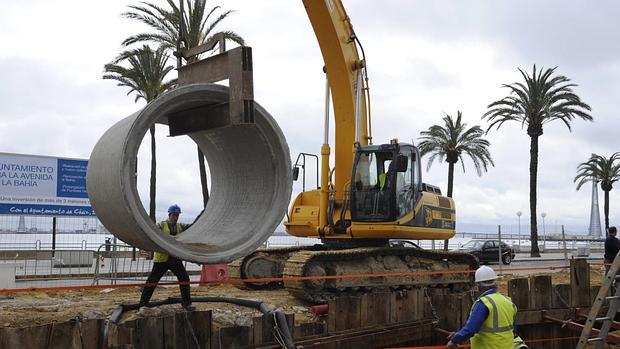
374	193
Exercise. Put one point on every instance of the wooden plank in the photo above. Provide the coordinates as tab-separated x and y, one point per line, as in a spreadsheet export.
382	308
338	314
201	322
439	302
519	292
395	307
181	334
390	335
580	282
236	337
262	328
405	305
416	304
367	308
374	309
122	334
92	331
170	332
332	316
65	335
561	296
466	304
309	329
129	333
533	317
30	337
149	333
541	295
354	313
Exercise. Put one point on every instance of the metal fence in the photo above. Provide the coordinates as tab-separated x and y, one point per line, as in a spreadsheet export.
84	252
118	263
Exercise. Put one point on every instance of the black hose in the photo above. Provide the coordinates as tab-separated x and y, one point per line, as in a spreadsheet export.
267	309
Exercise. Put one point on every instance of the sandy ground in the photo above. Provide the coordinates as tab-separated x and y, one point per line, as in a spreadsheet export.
36	308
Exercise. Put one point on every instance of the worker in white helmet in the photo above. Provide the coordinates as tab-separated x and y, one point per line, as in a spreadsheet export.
491	320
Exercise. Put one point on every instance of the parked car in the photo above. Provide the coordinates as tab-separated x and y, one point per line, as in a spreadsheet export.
488	251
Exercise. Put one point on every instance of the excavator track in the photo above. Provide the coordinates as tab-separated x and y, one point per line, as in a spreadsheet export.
320	260
264	263
374	260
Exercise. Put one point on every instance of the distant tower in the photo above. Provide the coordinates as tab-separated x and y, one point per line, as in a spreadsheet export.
21	226
595	217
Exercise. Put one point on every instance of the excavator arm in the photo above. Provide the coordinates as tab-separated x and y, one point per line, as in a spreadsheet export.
354	205
345	75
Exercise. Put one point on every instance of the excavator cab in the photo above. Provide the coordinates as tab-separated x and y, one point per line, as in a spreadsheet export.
385	178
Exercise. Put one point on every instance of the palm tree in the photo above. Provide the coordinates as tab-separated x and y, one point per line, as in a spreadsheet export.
451	142
199	24
542	98
199	27
145	77
600	170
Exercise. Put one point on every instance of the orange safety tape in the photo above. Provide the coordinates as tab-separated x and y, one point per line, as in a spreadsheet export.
281	279
529	341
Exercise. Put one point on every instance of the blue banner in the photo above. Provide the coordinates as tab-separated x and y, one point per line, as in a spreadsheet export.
43	185
71	182
46	210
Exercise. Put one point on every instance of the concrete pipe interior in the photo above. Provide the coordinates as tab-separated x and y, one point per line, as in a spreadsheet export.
250	178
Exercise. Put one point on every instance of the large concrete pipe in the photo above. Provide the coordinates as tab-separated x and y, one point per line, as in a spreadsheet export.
250	176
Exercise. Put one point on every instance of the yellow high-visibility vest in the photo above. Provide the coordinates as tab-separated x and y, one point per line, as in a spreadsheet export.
160	257
496	331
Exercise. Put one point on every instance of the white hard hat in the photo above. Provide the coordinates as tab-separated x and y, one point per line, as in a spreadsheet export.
485	275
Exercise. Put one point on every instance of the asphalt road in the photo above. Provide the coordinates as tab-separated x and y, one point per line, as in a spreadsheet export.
546	261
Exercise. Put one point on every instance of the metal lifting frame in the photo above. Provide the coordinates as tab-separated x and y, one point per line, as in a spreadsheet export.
235	66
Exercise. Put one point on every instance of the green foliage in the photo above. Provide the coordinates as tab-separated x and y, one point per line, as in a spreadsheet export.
453	140
600	169
145	74
542	98
198	29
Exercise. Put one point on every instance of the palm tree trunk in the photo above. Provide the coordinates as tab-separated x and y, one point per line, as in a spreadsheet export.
535	252
203	178
450	185
153	176
606	212
450	178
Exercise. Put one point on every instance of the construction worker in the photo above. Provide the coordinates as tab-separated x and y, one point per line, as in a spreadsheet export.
612	246
163	262
491	321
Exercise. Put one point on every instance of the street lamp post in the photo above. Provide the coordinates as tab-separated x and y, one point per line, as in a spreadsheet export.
544	232
519	213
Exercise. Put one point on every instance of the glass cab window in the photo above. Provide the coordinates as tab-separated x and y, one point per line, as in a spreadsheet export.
378	191
371	198
405	189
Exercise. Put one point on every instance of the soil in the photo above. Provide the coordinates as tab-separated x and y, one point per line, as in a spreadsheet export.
36	308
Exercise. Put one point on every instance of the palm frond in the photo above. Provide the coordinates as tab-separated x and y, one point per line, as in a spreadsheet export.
452	140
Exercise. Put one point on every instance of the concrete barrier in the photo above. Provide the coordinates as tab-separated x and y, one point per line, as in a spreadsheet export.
7	275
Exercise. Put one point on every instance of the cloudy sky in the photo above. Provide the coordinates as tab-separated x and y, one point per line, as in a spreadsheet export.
425	58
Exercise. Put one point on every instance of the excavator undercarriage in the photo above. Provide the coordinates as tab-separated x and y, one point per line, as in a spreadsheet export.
413	267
